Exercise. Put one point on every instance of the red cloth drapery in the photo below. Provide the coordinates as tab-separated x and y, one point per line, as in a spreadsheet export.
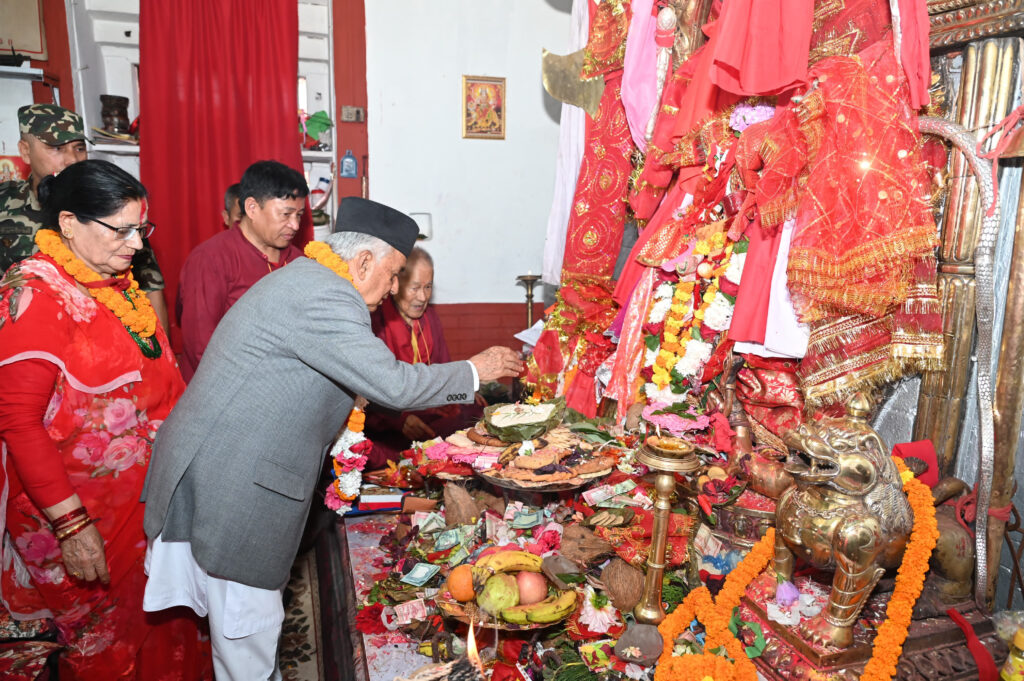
217	91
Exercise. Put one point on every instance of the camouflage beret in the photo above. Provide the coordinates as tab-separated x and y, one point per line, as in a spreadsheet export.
52	124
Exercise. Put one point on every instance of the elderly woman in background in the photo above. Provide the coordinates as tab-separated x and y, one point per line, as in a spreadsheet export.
88	376
412	331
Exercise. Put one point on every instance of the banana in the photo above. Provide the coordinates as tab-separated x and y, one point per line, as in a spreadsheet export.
552	612
511	561
520	613
480	577
427	648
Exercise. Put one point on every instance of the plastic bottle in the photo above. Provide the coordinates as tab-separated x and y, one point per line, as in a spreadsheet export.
1013	668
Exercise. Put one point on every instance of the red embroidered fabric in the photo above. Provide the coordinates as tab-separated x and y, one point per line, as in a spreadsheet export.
770	392
599	205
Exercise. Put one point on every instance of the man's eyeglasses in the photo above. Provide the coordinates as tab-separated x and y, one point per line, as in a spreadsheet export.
125	233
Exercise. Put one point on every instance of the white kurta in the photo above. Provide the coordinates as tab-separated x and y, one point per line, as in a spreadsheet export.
245	622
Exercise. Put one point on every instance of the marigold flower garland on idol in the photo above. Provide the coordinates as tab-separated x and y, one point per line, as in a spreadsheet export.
692	318
349	452
130	306
715	613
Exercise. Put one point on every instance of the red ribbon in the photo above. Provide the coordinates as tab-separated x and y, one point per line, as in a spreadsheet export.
967	510
1005	128
987	670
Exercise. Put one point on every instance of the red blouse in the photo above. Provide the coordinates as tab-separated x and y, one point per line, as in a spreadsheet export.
37	462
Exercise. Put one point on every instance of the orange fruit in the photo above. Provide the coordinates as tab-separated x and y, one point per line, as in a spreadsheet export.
460	583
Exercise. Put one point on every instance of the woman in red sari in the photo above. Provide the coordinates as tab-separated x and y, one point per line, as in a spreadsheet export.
88	376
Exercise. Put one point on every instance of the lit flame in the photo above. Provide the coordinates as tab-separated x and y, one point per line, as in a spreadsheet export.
471	653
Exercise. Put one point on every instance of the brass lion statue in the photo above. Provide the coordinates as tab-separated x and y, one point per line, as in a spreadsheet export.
847	512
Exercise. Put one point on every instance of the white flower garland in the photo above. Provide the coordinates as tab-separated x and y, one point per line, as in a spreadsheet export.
348	472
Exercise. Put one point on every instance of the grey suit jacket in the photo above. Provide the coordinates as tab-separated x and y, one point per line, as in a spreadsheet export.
235	464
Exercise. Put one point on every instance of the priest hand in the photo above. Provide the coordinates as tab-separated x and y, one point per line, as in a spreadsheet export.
416	430
497	362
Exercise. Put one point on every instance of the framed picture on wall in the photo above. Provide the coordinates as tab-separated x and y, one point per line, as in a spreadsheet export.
483	107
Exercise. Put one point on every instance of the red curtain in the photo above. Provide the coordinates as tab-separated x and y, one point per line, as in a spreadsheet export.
217	91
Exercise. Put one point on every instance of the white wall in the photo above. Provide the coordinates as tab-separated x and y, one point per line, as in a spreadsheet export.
489	199
14	94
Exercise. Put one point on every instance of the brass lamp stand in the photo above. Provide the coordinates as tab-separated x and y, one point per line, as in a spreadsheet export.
529	280
667	461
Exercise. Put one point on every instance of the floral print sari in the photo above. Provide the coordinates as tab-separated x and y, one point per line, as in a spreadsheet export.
106	406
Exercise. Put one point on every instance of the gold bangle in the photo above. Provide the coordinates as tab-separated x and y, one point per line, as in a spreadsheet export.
72	531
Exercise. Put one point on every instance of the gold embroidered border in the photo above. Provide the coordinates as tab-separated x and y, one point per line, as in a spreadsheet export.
816	267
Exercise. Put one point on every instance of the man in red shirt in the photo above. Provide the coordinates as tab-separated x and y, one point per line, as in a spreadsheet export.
218	271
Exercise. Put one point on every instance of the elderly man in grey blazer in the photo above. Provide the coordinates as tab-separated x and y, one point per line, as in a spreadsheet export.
235	465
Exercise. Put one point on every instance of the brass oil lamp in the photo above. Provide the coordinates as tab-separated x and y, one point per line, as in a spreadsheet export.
666	456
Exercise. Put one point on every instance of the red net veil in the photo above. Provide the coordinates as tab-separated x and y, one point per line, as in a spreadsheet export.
864	214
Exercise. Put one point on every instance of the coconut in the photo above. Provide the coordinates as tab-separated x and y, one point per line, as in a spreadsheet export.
623	583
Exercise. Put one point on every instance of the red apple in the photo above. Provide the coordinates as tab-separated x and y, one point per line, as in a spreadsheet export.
533	587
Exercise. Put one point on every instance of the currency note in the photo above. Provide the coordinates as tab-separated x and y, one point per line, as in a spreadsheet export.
412	610
420	574
707	543
458	556
524	521
641	499
624	486
598	494
492	523
428	521
516	507
447	539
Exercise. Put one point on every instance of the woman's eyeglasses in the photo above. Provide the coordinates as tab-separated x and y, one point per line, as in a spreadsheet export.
125	233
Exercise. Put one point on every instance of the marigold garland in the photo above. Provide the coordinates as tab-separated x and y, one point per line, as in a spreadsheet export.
322	253
888	644
685	316
131	307
714	614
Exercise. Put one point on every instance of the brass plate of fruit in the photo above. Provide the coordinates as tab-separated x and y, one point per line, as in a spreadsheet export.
505	590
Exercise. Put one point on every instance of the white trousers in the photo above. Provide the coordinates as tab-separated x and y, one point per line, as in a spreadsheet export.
245	622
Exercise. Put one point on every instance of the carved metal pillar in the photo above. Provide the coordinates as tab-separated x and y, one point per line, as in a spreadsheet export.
1009	402
985	96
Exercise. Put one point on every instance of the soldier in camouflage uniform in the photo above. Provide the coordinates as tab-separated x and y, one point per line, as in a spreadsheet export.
52	138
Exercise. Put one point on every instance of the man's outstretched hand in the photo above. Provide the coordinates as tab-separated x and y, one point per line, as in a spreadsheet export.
497	362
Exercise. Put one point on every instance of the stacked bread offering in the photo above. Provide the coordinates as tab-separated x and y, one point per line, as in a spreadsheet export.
537	449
